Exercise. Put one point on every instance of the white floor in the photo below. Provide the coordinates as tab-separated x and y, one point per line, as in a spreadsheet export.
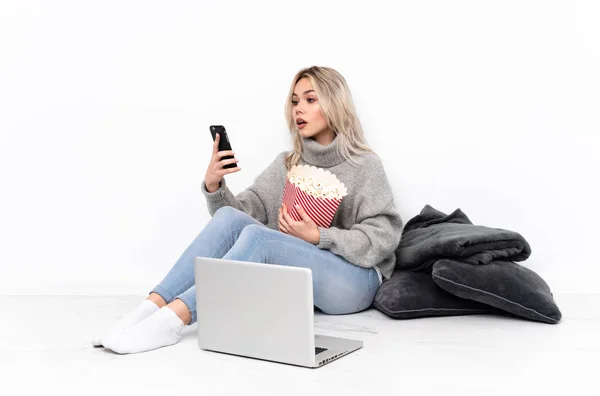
44	347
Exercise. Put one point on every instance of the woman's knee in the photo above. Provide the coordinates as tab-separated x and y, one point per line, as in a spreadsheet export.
249	244
252	231
228	211
230	215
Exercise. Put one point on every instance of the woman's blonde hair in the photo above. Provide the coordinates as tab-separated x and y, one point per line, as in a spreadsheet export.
337	108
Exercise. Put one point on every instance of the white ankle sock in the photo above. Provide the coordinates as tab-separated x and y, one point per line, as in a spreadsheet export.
145	309
161	329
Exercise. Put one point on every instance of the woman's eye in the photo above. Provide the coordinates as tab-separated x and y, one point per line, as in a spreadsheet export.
309	100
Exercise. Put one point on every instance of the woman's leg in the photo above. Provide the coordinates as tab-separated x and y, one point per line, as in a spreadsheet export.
214	241
339	286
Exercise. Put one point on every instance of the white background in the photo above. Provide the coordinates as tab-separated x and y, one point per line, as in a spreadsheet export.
491	107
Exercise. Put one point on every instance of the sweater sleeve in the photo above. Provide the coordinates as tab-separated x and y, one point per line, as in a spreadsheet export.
252	200
376	232
367	243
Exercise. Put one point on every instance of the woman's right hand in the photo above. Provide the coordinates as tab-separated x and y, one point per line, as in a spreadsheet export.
215	171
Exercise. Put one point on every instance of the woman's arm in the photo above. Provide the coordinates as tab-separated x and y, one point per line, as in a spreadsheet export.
368	242
374	233
252	200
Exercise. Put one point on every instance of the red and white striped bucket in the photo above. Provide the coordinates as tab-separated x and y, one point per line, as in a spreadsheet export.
320	210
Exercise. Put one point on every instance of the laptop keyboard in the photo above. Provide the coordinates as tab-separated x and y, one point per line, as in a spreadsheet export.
319	350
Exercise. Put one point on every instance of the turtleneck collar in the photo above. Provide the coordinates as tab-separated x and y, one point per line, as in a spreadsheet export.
313	153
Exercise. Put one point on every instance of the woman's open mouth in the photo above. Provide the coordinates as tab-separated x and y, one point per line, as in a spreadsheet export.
300	123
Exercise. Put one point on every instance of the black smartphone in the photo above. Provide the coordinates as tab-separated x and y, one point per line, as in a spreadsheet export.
224	144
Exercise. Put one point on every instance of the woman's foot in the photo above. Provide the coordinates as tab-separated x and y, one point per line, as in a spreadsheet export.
149	306
163	328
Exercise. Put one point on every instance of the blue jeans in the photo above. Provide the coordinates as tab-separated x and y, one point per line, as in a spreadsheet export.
339	286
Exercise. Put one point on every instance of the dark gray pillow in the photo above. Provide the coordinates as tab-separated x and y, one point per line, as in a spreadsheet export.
410	295
505	285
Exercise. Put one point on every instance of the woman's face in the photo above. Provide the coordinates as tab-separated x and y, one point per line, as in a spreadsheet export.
307	115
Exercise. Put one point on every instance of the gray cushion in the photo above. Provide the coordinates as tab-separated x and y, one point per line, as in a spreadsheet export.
410	295
505	285
432	235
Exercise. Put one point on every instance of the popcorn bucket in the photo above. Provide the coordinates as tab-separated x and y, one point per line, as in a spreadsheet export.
317	191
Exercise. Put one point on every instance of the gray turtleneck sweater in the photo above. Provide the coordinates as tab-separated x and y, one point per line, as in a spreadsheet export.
366	228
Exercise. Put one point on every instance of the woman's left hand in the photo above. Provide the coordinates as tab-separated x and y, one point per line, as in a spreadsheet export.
305	229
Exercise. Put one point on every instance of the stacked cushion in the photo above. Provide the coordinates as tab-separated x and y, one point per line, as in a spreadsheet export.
446	265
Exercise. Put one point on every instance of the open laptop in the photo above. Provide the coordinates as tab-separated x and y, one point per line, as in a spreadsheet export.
262	311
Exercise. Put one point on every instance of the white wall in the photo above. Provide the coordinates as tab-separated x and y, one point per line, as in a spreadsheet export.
105	106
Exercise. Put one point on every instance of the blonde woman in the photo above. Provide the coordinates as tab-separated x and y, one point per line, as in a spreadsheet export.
349	260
